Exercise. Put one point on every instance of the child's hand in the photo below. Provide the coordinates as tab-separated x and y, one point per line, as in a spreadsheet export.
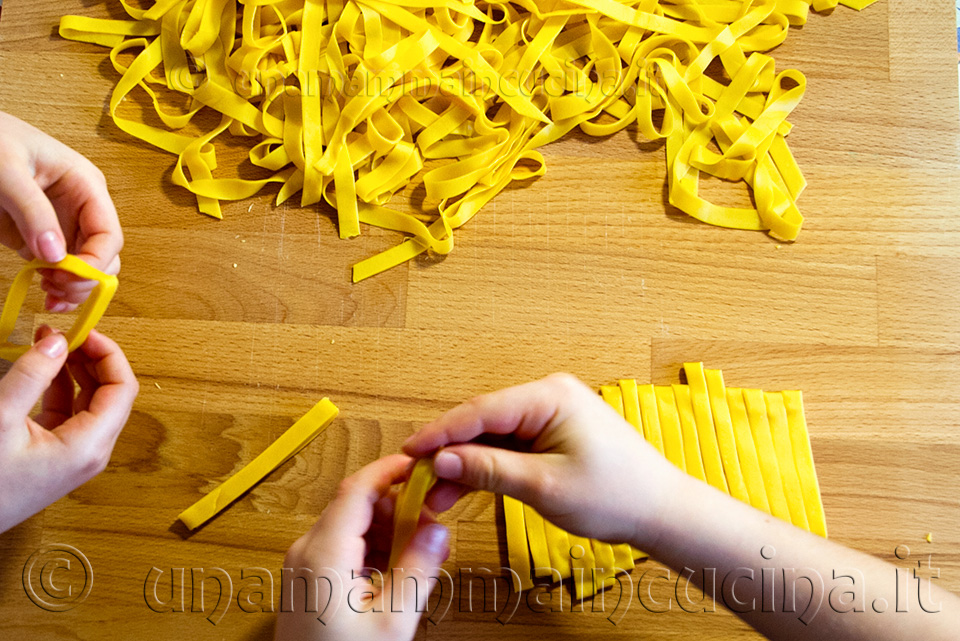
352	534
53	200
580	465
70	440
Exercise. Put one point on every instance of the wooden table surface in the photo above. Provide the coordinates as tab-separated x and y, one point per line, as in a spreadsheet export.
237	327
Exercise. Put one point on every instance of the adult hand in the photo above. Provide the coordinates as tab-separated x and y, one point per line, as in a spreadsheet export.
349	541
70	440
54	201
579	463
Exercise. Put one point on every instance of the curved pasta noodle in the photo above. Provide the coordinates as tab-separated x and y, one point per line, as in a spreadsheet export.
406	513
351	101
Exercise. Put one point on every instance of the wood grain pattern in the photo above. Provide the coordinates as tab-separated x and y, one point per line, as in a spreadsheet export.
584	270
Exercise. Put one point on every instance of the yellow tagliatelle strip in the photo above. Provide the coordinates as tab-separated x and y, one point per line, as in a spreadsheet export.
725	437
706	433
630	399
756	408
88	315
280	451
651	418
611	396
780	431
688	429
624	555
537	540
630	405
747	451
558	545
351	102
803	455
584	566
605	565
517	551
409	504
670	426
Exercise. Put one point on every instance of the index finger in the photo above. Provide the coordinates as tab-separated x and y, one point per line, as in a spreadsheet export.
523	411
84	206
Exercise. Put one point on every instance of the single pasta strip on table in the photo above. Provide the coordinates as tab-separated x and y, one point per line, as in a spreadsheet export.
298	436
518	552
650	416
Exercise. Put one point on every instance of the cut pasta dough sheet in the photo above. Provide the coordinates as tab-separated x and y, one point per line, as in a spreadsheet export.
766	452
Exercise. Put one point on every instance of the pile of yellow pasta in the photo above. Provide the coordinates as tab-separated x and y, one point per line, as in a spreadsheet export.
750	444
351	101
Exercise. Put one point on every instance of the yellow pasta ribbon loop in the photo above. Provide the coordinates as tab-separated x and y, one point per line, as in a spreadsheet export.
356	103
298	436
409	504
88	315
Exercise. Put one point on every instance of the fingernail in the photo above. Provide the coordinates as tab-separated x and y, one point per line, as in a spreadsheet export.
61	306
52	346
433	538
51	247
448	465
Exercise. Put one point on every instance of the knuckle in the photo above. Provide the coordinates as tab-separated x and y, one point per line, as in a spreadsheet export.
96	174
93	459
8	417
485	472
476	405
346	487
546	485
294	555
29	368
565	381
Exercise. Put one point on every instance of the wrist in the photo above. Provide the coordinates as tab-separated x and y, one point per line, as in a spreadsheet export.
667	488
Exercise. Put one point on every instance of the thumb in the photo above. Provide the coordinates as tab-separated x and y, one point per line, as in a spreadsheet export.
31	375
417	569
483	467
